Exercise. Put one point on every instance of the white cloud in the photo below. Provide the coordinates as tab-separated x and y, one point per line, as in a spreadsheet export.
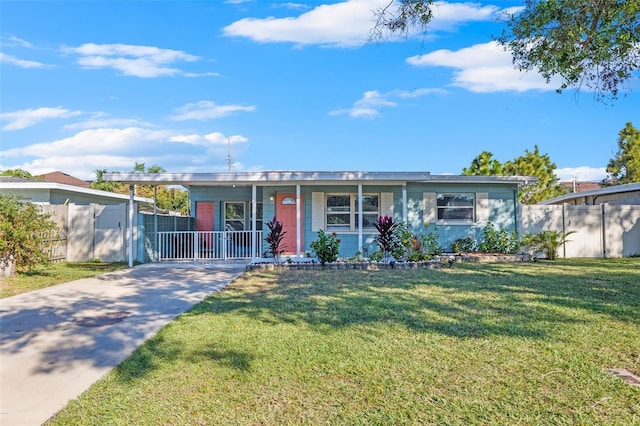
118	149
482	68
207	110
29	117
373	101
348	23
134	60
581	174
22	63
94	142
209	139
102	120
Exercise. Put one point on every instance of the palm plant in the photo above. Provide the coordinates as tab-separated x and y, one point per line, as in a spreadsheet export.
547	242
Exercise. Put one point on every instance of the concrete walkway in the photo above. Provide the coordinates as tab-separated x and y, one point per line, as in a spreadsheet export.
57	341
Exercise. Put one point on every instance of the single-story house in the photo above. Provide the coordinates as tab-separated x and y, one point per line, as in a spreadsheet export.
231	209
626	194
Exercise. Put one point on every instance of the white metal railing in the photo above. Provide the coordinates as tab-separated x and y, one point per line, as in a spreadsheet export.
208	245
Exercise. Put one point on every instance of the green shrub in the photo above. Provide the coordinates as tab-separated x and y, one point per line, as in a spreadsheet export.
464	245
499	241
326	247
23	231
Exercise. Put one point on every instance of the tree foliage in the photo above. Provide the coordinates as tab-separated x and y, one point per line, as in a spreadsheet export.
532	163
19	173
484	165
23	230
625	166
590	43
540	166
168	198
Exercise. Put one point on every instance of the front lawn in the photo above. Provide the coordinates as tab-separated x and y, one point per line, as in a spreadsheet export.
54	274
521	343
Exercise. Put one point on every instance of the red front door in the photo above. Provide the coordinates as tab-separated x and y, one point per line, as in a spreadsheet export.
286	213
204	216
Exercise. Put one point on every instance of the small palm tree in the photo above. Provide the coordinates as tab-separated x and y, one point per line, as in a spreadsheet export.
547	242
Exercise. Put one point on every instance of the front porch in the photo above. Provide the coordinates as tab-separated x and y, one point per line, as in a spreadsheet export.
209	245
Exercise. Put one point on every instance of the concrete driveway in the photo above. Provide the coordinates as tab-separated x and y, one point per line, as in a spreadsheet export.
57	341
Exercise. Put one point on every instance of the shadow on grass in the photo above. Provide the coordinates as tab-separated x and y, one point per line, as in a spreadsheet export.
530	301
467	301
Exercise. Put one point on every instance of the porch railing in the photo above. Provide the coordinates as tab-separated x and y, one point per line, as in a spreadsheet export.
208	245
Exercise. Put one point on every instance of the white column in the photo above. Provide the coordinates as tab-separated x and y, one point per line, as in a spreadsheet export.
131	205
155	223
298	218
404	203
254	221
360	217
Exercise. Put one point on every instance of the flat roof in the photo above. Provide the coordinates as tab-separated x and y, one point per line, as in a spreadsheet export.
302	177
70	188
613	189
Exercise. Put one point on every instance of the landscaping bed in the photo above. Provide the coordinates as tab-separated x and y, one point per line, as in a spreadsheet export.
445	260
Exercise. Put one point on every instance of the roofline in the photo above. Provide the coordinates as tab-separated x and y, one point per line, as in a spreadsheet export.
614	189
71	188
298	177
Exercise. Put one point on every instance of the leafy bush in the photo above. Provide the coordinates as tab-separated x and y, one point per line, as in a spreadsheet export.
464	245
23	230
417	247
326	247
499	241
386	239
274	238
546	242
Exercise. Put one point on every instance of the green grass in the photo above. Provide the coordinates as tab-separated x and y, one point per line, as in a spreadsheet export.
475	344
56	273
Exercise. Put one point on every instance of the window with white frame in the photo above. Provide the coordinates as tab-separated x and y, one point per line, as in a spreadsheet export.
456	207
234	216
342	211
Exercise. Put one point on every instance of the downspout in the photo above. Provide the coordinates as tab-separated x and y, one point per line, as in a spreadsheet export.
131	226
360	218
515	212
404	203
298	227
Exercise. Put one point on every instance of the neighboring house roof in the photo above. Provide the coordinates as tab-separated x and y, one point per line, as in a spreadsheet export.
581	186
303	177
27	184
593	194
61	177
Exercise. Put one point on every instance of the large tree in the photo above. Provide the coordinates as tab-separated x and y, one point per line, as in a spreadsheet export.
625	166
590	43
532	163
484	165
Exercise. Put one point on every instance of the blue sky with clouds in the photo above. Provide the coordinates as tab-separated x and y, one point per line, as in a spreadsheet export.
285	85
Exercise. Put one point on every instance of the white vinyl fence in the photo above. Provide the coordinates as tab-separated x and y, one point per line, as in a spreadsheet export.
88	232
601	230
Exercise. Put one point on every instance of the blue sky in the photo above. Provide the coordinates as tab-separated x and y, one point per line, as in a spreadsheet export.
89	85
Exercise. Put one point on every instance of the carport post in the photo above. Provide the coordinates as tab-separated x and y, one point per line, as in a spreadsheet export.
131	226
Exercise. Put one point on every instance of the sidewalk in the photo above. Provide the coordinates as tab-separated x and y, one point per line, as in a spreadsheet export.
56	342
